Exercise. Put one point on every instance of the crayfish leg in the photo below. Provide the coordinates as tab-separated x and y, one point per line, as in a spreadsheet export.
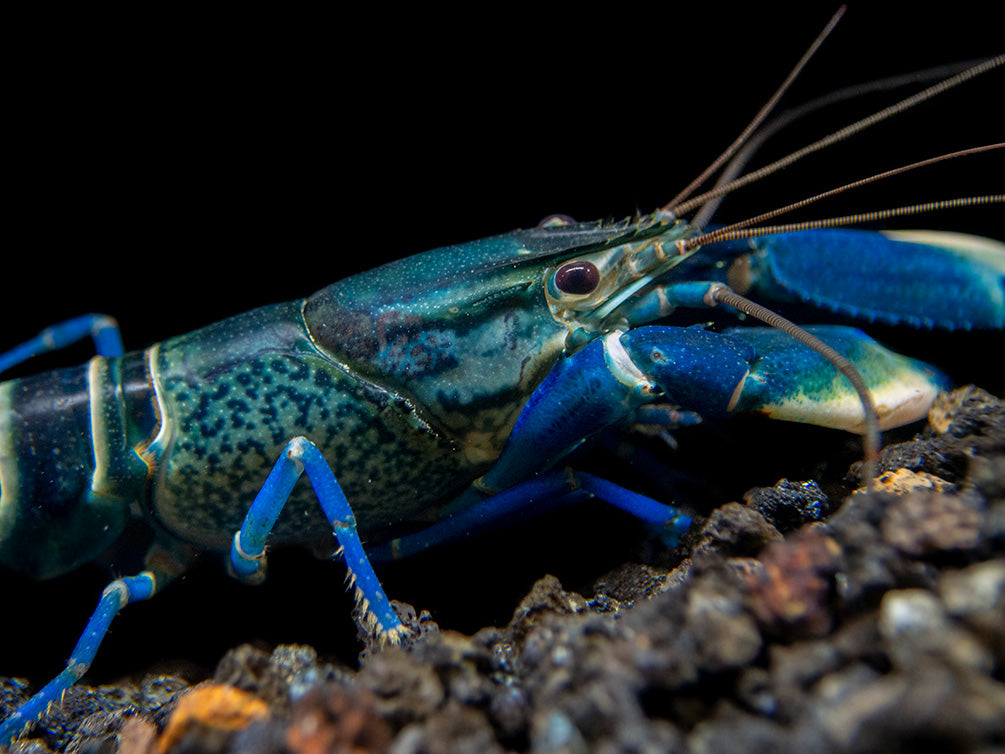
376	616
117	595
103	329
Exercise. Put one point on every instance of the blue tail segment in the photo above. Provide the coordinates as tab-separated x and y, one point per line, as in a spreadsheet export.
247	554
116	596
102	328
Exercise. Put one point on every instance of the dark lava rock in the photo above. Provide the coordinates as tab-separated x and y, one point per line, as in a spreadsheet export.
789	505
876	624
730	529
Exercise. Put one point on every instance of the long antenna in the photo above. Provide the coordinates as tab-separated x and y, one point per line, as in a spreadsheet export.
856	184
839	135
761	114
686	245
770	129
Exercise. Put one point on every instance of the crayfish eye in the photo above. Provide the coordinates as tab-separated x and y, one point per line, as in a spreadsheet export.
577	278
556	221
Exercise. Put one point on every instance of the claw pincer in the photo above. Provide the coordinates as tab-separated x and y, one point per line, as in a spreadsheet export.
923	279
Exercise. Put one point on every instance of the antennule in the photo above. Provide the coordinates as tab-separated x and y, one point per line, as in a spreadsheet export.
726	234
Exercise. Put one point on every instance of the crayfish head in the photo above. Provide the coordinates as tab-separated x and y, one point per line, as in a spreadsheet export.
593	292
466	333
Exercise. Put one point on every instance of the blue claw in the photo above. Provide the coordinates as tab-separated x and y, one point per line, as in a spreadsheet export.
919	278
789	381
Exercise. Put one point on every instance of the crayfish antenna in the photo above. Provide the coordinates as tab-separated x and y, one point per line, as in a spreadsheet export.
737	231
743	157
837	136
758	119
720	234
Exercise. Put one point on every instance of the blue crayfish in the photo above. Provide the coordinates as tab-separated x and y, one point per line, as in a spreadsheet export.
440	393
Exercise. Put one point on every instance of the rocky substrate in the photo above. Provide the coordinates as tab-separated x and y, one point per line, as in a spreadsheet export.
788	622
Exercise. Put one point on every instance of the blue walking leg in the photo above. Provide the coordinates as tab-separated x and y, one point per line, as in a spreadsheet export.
102	328
541	493
672	521
247	553
117	595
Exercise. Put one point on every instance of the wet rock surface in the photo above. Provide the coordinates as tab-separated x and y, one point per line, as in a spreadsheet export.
796	620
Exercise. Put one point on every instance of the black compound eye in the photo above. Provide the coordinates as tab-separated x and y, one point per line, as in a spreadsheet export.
577	278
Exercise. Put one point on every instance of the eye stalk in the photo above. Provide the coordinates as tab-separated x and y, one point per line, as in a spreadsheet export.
577	278
585	291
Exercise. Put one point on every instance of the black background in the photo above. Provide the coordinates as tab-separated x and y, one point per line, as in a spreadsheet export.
183	170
